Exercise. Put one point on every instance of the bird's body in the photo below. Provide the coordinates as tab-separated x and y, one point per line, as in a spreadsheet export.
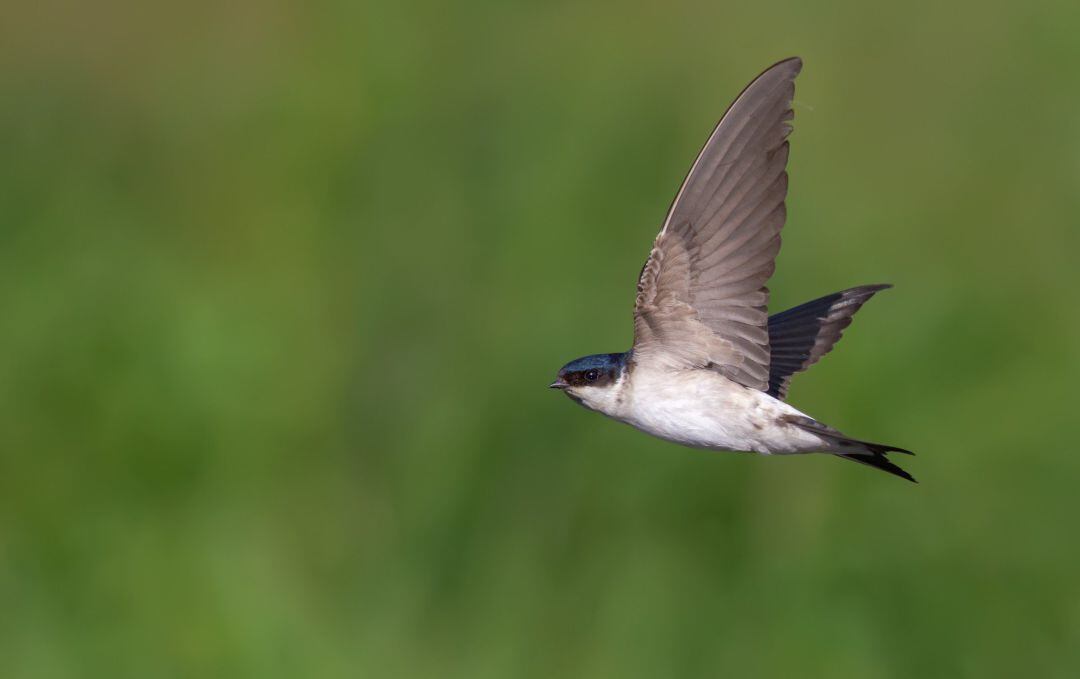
709	367
702	409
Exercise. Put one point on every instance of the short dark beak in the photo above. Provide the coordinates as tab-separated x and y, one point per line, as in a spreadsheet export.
559	384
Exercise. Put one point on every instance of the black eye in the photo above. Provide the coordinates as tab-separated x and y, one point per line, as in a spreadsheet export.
591	375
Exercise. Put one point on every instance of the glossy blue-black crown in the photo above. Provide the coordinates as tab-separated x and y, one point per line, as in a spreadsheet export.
598	370
601	362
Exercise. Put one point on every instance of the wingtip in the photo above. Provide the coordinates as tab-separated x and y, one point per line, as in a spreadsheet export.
871	288
863	292
793	64
790	67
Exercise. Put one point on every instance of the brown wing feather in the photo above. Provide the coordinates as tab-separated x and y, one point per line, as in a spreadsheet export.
701	297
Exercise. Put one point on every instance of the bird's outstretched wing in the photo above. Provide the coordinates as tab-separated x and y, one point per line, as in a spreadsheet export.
701	299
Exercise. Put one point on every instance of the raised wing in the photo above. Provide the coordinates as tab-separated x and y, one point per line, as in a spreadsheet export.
701	299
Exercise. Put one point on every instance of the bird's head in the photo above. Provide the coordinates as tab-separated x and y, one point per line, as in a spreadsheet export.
591	380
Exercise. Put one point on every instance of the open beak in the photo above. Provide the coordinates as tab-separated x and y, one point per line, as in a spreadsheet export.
559	384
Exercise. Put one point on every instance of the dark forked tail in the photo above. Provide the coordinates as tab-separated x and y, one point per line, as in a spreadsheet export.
875	457
863	452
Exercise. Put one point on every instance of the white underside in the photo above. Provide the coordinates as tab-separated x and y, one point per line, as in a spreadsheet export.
702	409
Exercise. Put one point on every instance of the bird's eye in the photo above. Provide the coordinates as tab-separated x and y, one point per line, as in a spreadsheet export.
592	375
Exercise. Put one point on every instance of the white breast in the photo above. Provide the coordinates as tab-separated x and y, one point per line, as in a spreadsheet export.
703	409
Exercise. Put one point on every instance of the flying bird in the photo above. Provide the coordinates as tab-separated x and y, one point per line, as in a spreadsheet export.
709	368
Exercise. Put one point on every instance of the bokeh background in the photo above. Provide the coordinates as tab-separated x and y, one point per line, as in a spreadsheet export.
282	286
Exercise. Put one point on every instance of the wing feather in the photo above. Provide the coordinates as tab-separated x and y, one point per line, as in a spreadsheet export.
701	298
800	336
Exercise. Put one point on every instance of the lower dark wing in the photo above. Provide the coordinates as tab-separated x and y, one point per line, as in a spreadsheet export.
799	337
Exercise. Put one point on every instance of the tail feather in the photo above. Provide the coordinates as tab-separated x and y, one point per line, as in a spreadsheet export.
878	461
881	448
863	452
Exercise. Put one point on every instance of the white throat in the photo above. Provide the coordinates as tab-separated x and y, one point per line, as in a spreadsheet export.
609	400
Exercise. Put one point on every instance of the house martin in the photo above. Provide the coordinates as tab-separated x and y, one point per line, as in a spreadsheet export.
709	368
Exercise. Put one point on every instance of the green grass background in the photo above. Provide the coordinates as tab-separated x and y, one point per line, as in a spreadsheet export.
282	286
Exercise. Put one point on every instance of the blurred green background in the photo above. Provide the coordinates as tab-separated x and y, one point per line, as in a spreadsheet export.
282	286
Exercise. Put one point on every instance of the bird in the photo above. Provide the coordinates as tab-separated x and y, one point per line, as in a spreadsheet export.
709	368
